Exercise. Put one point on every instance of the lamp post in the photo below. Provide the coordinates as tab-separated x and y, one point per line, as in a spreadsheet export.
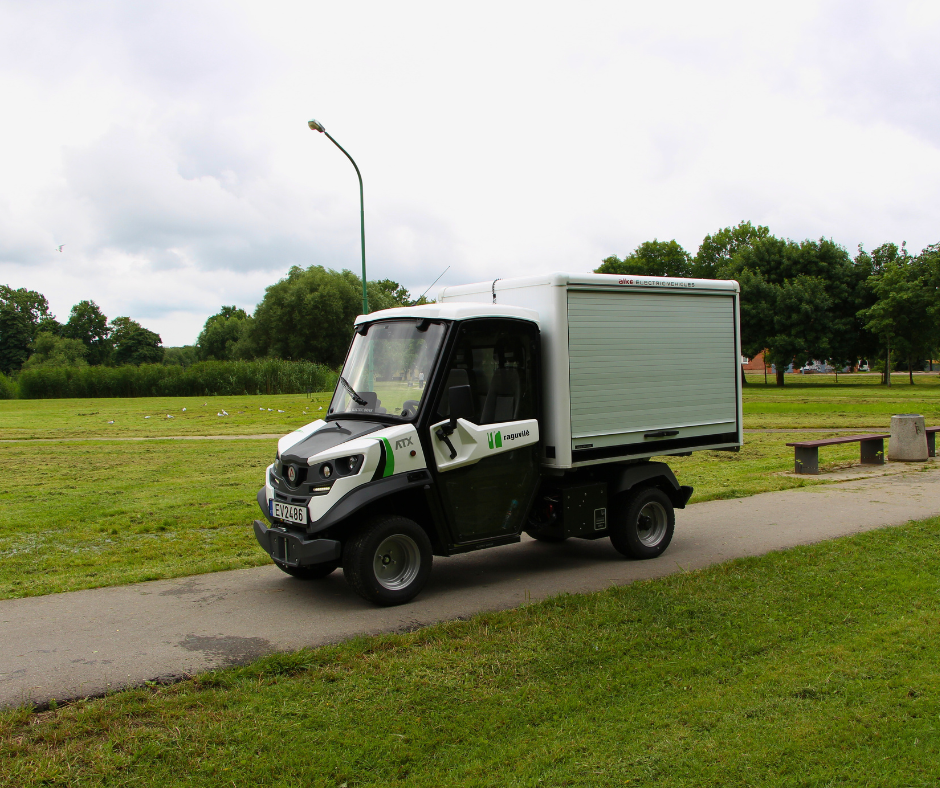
316	126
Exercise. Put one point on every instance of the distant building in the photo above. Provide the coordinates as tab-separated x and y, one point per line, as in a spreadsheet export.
755	364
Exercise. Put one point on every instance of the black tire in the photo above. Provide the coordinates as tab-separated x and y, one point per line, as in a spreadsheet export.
643	523
312	572
388	560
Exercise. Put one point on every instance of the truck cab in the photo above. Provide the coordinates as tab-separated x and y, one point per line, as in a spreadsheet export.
433	445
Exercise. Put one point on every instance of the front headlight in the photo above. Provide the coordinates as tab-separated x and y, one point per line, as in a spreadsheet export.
343	466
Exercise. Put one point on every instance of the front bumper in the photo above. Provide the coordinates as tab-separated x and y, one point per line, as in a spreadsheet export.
292	549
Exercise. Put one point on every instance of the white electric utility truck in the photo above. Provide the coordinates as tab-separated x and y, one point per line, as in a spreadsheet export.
521	405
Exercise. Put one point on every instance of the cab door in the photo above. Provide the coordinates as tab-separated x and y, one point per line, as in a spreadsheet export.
486	463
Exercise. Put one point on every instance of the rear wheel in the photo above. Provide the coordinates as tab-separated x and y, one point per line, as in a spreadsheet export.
312	572
643	523
388	561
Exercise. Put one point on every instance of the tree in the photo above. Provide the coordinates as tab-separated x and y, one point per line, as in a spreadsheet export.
387	294
134	344
23	314
310	313
180	356
651	258
717	250
49	350
88	324
222	333
904	316
798	300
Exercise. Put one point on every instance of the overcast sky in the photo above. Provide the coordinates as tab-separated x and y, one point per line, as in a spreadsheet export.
165	144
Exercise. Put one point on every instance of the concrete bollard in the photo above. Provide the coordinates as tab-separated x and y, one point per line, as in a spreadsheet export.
908	442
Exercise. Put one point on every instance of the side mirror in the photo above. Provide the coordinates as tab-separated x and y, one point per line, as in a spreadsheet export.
461	404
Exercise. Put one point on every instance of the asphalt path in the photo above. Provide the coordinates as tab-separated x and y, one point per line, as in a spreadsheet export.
85	643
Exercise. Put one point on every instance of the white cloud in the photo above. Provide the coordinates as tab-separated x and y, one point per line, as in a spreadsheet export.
165	144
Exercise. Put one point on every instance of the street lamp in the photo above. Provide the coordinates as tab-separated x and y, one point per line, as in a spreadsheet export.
316	126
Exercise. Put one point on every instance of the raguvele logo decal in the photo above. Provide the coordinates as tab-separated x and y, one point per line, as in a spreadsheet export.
514	436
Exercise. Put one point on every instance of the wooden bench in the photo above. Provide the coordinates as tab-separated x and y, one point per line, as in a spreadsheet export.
806	459
931	441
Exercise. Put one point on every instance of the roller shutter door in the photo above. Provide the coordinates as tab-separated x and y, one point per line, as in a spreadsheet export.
648	361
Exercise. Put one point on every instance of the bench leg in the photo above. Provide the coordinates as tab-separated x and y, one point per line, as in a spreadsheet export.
873	452
806	459
931	444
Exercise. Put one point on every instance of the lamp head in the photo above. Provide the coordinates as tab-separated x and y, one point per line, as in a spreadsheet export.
316	126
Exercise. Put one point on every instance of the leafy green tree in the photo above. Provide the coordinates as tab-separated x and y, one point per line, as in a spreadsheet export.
309	315
387	293
222	333
717	250
650	258
798	300
134	344
904	315
88	324
182	356
23	314
49	350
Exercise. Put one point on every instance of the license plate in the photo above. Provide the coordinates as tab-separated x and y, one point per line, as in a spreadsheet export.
289	513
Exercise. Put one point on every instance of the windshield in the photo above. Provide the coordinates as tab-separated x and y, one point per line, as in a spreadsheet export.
387	369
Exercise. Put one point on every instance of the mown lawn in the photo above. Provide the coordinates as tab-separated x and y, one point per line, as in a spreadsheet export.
147	417
84	515
857	401
817	666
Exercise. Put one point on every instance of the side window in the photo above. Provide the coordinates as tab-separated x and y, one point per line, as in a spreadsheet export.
497	362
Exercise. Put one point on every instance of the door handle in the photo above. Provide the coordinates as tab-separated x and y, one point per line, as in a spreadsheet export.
444	434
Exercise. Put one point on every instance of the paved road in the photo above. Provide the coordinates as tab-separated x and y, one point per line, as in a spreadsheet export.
85	643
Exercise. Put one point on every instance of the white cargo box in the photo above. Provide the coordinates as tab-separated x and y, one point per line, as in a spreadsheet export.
631	366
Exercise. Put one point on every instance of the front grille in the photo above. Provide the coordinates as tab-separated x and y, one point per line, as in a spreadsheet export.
300	500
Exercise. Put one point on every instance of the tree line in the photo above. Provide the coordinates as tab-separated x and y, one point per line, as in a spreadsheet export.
799	301
31	337
306	316
811	299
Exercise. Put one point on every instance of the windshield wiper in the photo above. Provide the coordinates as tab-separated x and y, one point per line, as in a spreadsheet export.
352	392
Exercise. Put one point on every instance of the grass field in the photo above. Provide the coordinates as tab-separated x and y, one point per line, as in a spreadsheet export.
81	516
146	417
816	401
816	666
84	515
88	514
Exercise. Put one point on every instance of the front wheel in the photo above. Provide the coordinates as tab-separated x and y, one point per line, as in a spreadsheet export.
643	523
388	561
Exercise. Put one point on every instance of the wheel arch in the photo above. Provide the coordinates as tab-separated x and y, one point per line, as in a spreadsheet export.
651	474
406	500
